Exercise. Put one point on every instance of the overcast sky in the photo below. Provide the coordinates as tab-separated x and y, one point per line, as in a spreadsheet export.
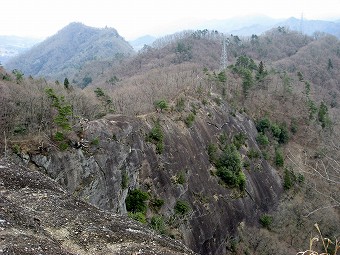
133	18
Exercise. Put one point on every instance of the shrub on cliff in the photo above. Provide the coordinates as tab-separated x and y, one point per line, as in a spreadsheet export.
156	137
182	207
136	201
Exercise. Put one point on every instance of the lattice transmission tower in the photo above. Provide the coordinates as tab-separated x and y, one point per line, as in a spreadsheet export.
224	55
301	23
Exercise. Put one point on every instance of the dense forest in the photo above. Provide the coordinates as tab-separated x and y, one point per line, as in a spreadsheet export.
286	82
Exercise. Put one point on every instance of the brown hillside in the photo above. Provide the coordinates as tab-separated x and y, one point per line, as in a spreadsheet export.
179	121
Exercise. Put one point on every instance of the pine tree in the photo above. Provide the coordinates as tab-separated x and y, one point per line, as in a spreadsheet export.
261	68
330	64
66	83
323	115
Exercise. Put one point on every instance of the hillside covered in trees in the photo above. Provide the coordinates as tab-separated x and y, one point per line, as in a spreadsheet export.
242	160
65	54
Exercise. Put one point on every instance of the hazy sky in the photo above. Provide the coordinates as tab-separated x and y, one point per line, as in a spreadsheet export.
133	18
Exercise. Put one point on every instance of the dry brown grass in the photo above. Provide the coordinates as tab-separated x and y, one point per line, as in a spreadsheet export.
326	244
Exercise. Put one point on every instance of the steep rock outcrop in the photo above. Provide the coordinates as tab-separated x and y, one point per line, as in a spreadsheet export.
95	172
37	216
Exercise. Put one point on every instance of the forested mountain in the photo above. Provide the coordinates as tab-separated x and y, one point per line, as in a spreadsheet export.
67	52
241	160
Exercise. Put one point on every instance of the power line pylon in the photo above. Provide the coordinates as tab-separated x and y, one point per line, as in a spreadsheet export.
224	55
301	23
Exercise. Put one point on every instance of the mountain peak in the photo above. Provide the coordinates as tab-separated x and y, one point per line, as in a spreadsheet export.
74	26
71	48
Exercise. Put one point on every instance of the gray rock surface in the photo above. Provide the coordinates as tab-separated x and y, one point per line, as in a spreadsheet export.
37	216
95	171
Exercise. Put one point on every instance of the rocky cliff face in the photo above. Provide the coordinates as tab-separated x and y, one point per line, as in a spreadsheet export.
37	216
115	149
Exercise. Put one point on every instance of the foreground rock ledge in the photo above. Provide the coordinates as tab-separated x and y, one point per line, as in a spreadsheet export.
38	217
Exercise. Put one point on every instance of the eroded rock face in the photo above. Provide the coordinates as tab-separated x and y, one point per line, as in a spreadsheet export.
95	171
37	216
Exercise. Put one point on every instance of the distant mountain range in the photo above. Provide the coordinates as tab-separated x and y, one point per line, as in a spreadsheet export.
247	26
66	52
11	46
141	41
309	27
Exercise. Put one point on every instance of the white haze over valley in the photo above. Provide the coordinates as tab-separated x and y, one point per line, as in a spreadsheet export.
135	18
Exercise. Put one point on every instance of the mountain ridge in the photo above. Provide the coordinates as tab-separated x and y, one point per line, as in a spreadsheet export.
73	58
66	52
258	26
